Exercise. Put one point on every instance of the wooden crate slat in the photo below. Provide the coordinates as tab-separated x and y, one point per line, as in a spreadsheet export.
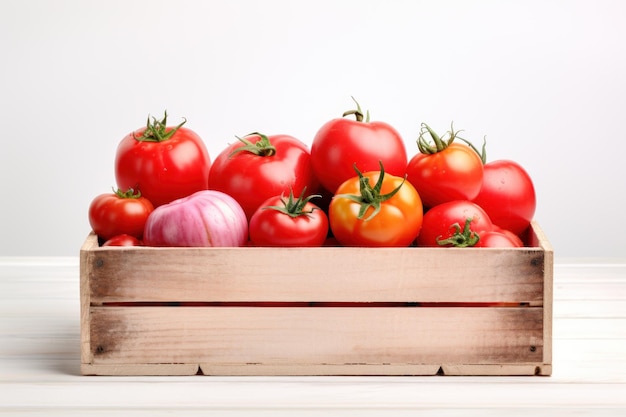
282	336
316	274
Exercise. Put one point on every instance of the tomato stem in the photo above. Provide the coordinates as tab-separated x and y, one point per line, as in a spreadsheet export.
358	113
370	196
262	147
439	143
157	130
131	193
460	238
295	208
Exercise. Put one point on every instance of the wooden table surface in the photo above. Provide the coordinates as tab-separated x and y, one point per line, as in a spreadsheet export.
40	359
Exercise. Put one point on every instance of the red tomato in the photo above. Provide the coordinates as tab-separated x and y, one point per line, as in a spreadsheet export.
507	195
123	240
119	213
495	239
388	213
515	238
444	220
288	222
341	143
164	163
445	171
259	167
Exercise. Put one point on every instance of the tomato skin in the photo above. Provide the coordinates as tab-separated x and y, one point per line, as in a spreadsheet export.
123	240
455	173
111	215
438	221
507	195
269	227
164	170
251	179
397	224
494	239
340	143
512	236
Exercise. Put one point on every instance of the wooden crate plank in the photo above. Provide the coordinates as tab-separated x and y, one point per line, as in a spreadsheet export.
316	274
283	336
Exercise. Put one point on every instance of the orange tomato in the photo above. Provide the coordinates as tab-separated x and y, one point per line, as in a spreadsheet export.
374	209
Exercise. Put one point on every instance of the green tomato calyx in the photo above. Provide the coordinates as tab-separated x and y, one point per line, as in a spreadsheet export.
460	238
370	196
293	207
358	113
131	193
157	130
262	147
439	143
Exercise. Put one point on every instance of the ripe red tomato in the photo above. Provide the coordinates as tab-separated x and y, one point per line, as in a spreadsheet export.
259	167
341	143
507	195
494	239
164	163
444	220
288	222
512	236
388	213
119	213
123	240
445	171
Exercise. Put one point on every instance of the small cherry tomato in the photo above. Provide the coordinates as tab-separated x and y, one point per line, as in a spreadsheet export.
119	213
495	239
123	240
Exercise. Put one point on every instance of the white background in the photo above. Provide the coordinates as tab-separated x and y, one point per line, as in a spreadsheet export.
543	80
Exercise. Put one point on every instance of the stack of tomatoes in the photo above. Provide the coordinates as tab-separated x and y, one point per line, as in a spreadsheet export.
355	186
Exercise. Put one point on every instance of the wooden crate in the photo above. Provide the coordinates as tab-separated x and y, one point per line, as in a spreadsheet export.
317	311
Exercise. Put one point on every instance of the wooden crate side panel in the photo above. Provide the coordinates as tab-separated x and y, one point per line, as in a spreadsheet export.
538	238
244	336
318	274
86	255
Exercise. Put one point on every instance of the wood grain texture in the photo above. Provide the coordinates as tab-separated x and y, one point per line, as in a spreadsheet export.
315	274
309	337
